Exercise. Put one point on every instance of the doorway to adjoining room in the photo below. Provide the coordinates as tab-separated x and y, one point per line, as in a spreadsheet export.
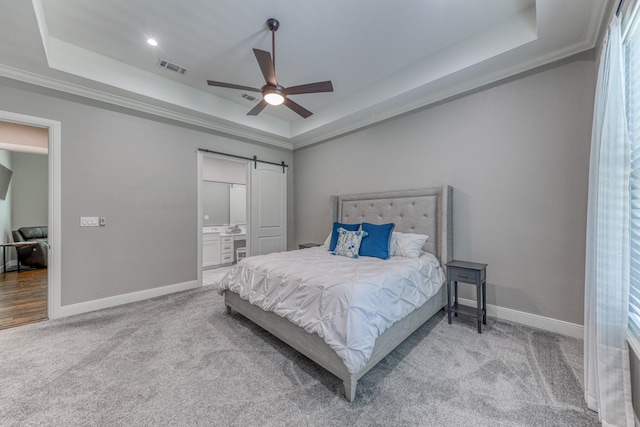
24	201
260	223
224	215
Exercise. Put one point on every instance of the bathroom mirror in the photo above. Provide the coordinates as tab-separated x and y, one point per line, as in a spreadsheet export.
224	203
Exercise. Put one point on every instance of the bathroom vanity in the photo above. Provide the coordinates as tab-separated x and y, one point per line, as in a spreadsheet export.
218	244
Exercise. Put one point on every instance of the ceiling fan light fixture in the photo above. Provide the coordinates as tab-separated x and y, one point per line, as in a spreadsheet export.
273	96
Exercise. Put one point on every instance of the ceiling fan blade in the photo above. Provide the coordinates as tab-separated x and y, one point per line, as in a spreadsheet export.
266	66
297	108
310	88
259	107
232	86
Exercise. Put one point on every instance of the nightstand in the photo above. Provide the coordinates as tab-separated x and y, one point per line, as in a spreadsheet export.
472	273
308	245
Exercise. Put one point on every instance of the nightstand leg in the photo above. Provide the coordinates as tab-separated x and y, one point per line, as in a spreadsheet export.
455	299
449	300
479	307
484	303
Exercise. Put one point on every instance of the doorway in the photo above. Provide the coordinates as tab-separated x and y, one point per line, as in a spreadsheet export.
54	135
222	207
265	208
24	219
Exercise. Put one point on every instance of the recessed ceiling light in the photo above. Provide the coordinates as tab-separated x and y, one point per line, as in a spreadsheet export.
152	42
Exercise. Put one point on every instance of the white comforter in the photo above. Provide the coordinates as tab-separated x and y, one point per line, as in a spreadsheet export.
347	302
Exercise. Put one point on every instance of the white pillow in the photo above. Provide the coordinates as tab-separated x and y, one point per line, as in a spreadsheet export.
407	244
327	242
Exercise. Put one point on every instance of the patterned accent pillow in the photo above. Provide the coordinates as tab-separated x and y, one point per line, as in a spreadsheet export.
334	232
348	242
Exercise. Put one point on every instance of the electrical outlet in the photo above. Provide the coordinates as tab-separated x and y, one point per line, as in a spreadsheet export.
89	221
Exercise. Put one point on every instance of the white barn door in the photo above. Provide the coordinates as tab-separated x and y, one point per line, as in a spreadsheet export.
268	209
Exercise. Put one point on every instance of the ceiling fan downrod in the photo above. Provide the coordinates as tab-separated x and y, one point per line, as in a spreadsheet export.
273	24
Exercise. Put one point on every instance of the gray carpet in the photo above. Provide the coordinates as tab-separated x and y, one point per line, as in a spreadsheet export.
180	360
214	275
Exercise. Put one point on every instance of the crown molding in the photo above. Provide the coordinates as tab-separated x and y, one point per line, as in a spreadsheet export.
467	86
84	92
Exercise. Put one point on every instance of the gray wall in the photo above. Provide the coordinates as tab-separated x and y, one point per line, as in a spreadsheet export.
29	190
517	155
139	173
221	170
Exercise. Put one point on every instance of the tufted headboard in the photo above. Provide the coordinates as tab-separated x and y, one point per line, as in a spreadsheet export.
424	211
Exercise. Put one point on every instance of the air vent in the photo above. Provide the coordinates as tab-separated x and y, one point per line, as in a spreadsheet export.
248	97
171	66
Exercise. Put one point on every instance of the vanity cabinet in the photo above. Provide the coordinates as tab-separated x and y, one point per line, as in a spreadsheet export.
211	249
218	247
226	250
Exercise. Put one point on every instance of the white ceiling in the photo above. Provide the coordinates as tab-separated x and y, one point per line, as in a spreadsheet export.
384	58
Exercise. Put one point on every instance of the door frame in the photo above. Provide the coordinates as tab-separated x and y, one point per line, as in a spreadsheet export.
54	291
200	208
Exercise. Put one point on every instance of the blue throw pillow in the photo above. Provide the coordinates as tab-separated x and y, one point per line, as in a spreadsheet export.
377	241
334	233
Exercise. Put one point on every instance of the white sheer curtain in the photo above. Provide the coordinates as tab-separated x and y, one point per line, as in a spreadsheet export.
606	354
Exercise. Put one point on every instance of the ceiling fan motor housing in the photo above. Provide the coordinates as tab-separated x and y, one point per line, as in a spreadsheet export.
273	24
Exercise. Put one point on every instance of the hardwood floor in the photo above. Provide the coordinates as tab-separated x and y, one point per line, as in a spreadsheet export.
23	297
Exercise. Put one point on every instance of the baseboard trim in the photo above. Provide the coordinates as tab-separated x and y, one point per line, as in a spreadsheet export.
99	304
540	322
528	319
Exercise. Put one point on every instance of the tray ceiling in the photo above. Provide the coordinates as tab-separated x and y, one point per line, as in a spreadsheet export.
384	60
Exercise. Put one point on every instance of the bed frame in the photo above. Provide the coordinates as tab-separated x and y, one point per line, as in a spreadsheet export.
425	211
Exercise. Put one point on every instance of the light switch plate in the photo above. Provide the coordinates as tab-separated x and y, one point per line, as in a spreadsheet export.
89	221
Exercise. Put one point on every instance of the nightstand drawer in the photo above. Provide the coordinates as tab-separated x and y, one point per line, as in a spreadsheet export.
308	245
225	258
467	276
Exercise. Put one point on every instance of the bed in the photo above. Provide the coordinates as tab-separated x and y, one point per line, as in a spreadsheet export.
423	211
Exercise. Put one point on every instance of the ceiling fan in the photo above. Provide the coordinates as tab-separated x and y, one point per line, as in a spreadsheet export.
272	92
